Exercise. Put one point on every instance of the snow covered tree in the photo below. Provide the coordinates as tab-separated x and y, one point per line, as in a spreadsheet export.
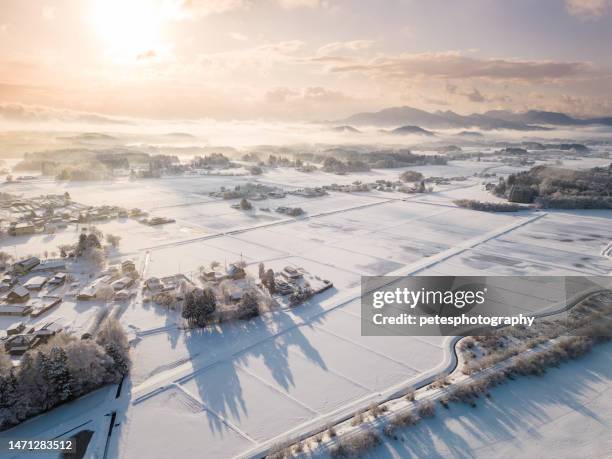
199	306
93	241
269	281
249	305
121	363
113	339
96	257
111	331
58	373
82	244
245	205
113	240
61	370
5	362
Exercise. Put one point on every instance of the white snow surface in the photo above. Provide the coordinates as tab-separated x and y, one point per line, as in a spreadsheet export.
228	390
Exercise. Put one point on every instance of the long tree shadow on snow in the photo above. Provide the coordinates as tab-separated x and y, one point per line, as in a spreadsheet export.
235	347
515	410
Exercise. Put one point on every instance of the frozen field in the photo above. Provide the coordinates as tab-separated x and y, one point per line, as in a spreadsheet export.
230	389
524	419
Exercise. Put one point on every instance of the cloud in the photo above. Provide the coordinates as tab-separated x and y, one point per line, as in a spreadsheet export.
238	36
191	8
17	112
289	4
262	59
588	9
198	8
475	95
454	65
309	94
354	45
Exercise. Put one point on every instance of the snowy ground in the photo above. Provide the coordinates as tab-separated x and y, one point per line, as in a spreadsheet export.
523	418
233	388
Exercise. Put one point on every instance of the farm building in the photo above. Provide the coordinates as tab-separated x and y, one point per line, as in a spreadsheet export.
19	294
25	266
15	309
41	305
122	283
36	282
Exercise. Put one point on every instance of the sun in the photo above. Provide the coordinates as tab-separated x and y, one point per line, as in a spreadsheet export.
128	29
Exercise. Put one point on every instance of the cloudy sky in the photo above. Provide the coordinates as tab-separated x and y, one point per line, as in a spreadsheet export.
302	59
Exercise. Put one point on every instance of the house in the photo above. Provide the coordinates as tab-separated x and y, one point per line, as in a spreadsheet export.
128	266
212	276
58	279
283	288
7	282
235	272
153	283
15	329
22	228
15	309
122	283
89	291
25	266
36	282
41	305
18	344
48	330
19	294
50	265
291	273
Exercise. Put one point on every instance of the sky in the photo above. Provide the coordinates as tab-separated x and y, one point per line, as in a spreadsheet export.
301	60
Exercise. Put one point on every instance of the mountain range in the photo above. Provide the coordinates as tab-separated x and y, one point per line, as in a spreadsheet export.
494	119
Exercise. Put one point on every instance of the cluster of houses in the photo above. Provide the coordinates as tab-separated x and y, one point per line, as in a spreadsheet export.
252	191
48	213
358	186
21	337
154	221
298	284
166	290
18	293
316	192
51	212
119	278
21	295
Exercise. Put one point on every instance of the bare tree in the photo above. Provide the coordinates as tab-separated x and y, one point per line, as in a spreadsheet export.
113	240
105	292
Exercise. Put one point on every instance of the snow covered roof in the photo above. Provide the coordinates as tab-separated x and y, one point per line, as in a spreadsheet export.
19	291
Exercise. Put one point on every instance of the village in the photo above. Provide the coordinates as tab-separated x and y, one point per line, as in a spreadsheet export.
31	287
50	213
234	290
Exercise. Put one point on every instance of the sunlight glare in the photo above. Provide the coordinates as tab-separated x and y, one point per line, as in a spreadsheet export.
128	28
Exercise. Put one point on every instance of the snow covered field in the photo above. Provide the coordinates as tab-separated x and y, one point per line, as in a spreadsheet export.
229	389
523	419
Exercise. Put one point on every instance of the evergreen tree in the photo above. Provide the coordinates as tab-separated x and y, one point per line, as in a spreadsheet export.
121	365
82	244
93	241
269	282
60	378
199	306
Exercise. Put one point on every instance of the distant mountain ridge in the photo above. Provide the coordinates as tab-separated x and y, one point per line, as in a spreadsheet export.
494	119
404	130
